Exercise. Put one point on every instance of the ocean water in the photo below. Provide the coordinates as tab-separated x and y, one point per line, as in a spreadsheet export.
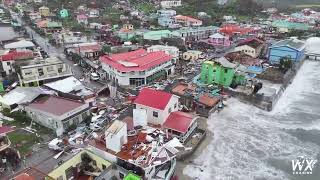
252	144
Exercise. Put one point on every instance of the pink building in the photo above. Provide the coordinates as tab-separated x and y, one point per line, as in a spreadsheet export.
219	40
82	19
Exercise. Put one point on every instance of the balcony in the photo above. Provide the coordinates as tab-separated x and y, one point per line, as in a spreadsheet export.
51	75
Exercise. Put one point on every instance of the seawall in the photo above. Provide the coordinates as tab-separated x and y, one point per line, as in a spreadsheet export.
268	102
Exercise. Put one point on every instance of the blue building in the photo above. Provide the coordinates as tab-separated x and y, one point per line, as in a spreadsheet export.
166	21
291	48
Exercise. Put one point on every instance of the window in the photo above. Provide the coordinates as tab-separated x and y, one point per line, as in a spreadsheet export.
60	67
225	70
169	110
175	105
121	175
104	167
56	124
40	71
8	63
155	114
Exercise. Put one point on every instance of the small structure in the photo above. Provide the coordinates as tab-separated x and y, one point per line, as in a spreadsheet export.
57	113
83	165
116	136
73	88
170	3
170	50
82	19
20	96
194	33
10	58
180	125
187	21
4	140
292	49
49	26
218	39
192	55
44	11
252	47
64	13
158	104
87	50
67	37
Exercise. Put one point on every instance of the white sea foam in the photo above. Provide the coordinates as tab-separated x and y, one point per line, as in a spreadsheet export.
246	138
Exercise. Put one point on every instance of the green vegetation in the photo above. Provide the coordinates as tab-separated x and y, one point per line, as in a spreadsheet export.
23	141
285	64
146	7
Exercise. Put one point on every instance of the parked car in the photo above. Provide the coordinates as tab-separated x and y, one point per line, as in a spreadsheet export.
94	76
56	144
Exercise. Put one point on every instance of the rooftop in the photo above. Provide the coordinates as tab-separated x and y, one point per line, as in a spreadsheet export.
19	44
139	60
252	42
153	98
178	121
293	43
55	105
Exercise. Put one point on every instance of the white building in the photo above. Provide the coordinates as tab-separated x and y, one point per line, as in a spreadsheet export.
44	70
171	4
138	67
158	104
116	136
69	38
170	50
57	113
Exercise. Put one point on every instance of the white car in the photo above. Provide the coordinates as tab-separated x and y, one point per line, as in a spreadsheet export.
94	76
56	144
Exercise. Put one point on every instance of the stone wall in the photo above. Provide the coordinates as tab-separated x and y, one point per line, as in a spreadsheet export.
268	102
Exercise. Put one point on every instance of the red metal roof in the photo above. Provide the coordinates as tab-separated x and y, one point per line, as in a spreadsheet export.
153	98
178	121
55	105
5	129
230	29
139	60
16	55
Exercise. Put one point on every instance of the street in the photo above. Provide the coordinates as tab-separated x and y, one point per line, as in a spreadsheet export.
53	51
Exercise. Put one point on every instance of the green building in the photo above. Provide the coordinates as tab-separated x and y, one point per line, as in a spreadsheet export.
63	13
221	72
156	35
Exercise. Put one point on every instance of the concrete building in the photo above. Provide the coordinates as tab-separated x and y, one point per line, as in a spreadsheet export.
42	71
70	168
192	55
187	21
8	60
67	37
44	11
218	39
292	49
252	47
194	33
57	113
116	136
82	19
158	104
137	67
171	3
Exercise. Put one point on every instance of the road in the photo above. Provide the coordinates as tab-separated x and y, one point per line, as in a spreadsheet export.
58	52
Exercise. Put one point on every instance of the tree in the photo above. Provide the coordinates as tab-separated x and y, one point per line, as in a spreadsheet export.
285	63
106	49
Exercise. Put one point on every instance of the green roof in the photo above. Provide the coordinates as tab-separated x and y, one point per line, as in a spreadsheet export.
290	25
156	35
131	176
52	24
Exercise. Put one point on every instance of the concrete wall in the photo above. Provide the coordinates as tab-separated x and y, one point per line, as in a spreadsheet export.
74	161
268	102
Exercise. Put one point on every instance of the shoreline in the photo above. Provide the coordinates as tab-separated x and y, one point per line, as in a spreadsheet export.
187	161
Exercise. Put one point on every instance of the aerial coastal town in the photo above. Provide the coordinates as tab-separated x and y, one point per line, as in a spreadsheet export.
112	90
